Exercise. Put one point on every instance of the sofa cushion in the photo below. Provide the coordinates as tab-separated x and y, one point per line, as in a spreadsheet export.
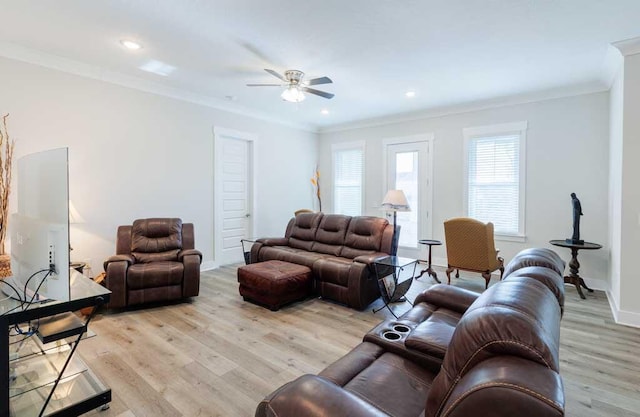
433	335
156	274
330	234
156	235
333	269
393	384
542	257
364	236
288	254
303	231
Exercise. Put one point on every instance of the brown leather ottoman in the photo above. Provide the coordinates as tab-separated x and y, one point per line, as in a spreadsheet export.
274	283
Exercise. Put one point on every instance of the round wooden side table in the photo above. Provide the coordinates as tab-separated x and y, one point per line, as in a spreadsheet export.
574	266
429	270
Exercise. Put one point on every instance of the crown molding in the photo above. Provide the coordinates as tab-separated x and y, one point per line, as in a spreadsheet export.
493	103
31	56
628	46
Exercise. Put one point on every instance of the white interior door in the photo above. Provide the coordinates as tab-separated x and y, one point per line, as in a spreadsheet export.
408	170
233	195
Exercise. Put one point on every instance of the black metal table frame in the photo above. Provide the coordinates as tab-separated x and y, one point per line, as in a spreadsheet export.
400	288
41	311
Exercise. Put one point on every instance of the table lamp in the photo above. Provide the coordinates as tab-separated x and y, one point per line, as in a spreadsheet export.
395	201
74	218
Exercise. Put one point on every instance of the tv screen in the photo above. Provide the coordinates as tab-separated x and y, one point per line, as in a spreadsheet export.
40	229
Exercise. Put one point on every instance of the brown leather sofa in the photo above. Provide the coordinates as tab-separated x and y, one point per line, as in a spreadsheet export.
338	249
155	261
455	353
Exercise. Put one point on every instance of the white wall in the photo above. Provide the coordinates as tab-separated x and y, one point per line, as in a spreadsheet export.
567	151
615	181
630	213
135	154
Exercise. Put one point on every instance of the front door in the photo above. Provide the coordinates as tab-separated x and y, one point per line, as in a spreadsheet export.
407	170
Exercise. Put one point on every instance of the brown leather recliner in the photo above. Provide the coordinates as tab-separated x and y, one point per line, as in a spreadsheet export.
155	261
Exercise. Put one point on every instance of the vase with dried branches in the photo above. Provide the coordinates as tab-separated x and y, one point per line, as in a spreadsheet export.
315	180
6	158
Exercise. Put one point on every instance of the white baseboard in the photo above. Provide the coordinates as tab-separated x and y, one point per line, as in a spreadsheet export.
208	266
626	318
597	284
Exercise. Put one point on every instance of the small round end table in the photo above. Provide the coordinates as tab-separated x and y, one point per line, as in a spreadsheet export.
574	266
429	270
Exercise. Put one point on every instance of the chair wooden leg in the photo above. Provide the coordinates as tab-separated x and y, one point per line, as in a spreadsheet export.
487	278
501	267
457	273
449	270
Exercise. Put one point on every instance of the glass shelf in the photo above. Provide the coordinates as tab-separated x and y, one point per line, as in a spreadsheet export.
71	390
36	371
33	346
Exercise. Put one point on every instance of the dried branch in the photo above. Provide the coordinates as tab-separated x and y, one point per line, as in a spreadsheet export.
6	157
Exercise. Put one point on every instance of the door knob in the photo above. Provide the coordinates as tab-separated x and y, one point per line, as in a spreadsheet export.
247	215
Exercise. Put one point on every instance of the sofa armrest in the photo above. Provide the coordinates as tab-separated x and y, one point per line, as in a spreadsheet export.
190	252
129	259
191	260
505	386
368	259
116	280
453	298
311	396
274	241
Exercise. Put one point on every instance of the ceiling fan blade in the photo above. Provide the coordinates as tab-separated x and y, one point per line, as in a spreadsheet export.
317	92
264	85
275	74
321	80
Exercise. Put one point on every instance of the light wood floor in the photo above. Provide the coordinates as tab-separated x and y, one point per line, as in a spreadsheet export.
219	356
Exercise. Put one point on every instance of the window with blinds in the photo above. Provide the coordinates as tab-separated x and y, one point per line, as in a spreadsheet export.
495	177
348	173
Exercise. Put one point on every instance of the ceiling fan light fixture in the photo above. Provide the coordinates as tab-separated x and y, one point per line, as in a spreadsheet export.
292	94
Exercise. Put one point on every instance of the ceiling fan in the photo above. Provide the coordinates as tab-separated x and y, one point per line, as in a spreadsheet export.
296	86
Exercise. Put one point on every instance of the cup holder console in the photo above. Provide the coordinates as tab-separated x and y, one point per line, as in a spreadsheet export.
401	328
389	335
394	331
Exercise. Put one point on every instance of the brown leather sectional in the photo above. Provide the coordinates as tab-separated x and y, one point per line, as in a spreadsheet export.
455	353
338	249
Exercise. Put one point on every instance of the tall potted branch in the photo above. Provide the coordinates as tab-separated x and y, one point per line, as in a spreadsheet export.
6	157
315	181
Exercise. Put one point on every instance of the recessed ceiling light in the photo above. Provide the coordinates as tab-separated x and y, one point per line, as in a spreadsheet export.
131	45
158	67
324	111
410	94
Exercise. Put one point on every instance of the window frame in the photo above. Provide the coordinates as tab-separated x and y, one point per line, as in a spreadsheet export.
504	129
347	146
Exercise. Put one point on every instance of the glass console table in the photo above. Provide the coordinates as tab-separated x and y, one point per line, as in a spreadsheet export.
395	275
45	379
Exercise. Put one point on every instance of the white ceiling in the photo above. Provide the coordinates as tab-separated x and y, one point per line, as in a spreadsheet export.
451	52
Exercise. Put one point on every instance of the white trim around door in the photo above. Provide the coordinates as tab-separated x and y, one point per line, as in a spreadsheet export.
249	206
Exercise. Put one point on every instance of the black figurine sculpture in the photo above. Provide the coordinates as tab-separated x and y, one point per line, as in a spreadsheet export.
577	212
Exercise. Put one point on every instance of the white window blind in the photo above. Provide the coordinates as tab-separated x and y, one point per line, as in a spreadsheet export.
348	167
495	178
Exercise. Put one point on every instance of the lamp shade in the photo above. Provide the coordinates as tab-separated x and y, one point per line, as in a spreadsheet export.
395	200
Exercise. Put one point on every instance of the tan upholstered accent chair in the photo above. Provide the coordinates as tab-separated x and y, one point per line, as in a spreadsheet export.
470	247
300	211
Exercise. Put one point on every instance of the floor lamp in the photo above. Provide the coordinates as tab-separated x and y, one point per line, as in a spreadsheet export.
395	201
